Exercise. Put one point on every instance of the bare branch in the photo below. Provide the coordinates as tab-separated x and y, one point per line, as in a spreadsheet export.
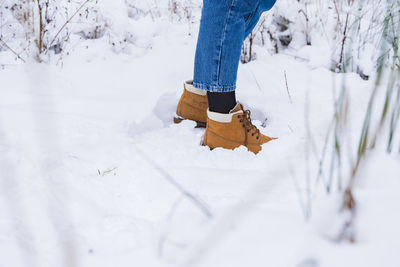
12	50
287	89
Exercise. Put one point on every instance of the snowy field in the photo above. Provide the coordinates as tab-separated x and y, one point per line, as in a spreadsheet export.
93	172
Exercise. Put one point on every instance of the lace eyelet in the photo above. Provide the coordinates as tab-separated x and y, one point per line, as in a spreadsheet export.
257	137
241	120
238	116
252	134
243	125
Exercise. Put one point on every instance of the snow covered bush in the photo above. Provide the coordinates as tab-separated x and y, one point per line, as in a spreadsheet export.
32	26
42	28
347	32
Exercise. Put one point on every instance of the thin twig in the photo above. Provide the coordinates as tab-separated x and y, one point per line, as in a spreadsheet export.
255	79
341	63
287	89
307	26
12	50
66	23
41	27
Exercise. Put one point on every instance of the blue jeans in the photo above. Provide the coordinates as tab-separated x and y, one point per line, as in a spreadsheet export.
224	26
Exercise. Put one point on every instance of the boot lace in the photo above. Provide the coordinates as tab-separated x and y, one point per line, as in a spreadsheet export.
248	126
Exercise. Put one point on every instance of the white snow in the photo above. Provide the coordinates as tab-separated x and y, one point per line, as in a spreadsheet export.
88	145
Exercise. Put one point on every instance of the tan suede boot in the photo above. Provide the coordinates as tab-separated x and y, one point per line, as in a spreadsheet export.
192	105
233	130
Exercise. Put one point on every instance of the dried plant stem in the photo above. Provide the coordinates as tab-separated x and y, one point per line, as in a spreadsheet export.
12	50
287	89
341	63
66	23
369	138
41	27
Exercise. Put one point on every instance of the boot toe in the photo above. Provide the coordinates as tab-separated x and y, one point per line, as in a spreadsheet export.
265	139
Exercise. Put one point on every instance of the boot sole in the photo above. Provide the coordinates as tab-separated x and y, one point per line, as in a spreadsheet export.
199	124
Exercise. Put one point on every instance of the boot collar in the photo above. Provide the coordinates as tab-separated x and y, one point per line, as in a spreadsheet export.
224	118
189	87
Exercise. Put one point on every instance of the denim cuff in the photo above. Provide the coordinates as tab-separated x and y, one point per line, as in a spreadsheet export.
214	88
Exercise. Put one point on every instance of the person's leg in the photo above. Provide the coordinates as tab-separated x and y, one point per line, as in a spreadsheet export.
224	26
221	102
225	101
222	31
263	6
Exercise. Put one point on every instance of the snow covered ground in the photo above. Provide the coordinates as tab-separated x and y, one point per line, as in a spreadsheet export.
89	156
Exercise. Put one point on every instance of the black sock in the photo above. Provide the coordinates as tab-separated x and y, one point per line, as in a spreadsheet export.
221	102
